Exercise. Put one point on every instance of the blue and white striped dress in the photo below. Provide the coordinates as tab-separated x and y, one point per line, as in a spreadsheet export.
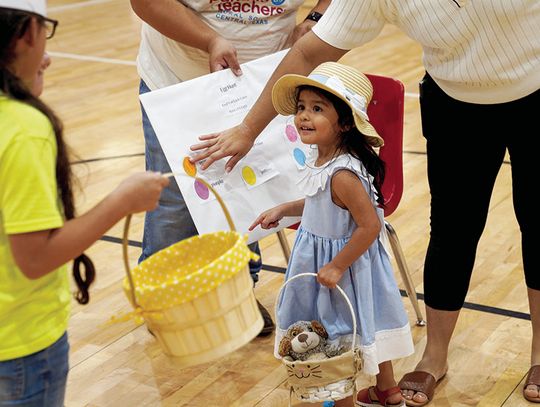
383	328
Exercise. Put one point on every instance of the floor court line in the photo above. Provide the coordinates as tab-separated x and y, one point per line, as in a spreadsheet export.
91	160
116	157
468	305
113	61
90	58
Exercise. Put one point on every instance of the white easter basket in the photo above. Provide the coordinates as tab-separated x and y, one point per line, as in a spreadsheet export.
335	377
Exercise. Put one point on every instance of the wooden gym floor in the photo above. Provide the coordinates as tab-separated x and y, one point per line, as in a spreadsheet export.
93	85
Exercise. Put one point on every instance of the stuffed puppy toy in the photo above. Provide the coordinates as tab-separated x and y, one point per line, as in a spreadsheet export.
306	340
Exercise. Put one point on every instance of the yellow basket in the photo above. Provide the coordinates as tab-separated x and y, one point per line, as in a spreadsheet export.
196	296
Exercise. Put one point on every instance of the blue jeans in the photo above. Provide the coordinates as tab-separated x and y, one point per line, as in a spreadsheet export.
171	221
37	380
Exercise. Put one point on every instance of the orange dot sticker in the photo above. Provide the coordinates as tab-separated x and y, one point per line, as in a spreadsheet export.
189	167
249	175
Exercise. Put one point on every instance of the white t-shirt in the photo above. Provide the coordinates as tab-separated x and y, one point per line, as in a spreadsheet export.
478	51
255	27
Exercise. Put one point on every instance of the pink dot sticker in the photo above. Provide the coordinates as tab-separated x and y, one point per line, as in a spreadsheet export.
201	190
291	133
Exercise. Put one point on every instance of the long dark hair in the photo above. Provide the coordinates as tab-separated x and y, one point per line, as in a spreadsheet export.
353	141
13	25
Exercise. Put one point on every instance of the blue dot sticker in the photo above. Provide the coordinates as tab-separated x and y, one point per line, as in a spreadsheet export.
299	156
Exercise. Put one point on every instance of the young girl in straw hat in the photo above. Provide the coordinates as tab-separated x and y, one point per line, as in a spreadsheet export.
340	237
38	230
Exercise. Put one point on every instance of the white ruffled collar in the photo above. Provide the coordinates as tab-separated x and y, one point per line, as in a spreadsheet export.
315	178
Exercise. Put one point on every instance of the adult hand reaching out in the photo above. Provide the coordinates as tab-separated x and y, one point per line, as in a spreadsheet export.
234	142
237	141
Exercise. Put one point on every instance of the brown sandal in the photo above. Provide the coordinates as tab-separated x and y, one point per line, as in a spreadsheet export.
420	382
533	378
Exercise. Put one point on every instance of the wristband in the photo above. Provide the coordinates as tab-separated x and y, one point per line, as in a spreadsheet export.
314	16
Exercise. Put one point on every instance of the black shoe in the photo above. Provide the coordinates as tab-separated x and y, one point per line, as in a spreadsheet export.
269	326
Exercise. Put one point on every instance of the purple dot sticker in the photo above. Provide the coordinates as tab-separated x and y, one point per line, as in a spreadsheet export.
201	190
299	156
291	133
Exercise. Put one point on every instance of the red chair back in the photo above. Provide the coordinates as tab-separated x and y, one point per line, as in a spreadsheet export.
386	114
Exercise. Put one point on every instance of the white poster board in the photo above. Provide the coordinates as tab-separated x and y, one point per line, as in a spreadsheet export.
264	178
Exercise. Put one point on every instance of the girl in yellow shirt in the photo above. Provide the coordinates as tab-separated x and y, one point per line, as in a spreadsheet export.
38	231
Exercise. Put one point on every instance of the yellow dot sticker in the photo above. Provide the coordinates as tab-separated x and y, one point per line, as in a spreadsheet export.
189	167
249	175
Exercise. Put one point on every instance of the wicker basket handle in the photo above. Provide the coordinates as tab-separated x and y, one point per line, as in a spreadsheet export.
125	239
344	295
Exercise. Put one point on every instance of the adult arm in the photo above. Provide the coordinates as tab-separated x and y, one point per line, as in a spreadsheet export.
308	52
349	193
176	21
305	26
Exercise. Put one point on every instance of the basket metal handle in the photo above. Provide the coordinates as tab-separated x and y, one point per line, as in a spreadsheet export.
125	239
344	295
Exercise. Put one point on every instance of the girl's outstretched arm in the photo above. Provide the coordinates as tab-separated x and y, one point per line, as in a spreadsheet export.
39	253
270	219
349	193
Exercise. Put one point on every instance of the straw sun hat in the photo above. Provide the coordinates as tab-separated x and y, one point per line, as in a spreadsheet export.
34	6
347	83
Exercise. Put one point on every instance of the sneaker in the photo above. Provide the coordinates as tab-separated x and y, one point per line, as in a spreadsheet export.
269	326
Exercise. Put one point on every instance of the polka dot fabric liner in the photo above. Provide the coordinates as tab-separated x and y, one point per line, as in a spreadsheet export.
189	269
